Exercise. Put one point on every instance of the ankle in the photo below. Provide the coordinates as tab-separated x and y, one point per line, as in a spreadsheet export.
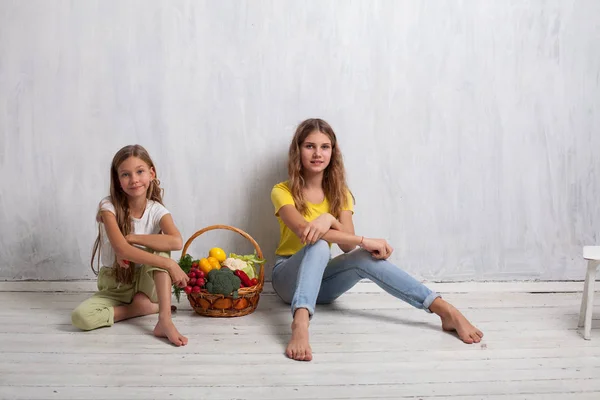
301	318
441	308
162	318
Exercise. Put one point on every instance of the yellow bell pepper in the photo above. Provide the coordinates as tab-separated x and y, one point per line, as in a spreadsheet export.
205	266
214	263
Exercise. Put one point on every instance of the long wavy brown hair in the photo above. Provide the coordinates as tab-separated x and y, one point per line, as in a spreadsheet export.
334	176
119	199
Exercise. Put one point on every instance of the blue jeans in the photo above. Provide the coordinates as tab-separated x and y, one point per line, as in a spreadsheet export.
311	276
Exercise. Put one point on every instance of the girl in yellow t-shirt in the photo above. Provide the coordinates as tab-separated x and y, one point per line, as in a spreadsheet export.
314	209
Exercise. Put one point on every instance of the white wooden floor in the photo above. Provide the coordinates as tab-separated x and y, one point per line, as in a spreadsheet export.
367	345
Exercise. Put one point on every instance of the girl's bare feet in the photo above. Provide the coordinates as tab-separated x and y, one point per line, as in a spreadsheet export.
453	320
298	348
166	329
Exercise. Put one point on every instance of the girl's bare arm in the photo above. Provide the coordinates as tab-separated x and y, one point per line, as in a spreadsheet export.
169	240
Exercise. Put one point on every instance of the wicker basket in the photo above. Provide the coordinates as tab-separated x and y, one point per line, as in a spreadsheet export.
218	305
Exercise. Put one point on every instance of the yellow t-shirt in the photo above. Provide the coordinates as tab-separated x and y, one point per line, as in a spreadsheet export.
281	195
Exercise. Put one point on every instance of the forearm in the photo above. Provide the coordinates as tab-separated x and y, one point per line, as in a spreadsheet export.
139	256
156	242
346	241
338	226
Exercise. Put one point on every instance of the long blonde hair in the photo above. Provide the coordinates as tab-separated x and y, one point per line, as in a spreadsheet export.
334	177
119	200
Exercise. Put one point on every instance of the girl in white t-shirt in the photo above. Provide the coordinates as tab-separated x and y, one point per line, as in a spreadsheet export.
136	234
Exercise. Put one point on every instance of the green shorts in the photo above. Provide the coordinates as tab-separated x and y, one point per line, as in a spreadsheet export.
98	310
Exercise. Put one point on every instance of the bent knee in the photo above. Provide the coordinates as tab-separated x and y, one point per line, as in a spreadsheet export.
81	320
320	246
361	257
88	319
150	270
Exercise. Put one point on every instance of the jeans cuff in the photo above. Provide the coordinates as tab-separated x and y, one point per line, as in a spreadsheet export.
429	299
310	310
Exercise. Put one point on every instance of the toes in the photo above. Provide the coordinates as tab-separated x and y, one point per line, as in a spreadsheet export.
479	333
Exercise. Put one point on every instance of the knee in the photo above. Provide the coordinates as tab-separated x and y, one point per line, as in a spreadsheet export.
320	247
363	258
165	254
152	270
141	297
81	319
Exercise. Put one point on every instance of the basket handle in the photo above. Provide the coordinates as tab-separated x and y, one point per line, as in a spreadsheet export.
259	253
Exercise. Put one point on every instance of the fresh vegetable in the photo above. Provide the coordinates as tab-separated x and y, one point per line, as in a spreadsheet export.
249	258
217	253
243	277
200	270
186	265
223	282
197	277
205	266
244	263
235	263
214	262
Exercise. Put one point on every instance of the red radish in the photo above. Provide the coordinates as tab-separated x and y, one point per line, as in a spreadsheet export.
192	281
192	274
200	274
196	289
187	289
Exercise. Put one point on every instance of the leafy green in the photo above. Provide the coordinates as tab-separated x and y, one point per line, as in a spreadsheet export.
185	263
250	260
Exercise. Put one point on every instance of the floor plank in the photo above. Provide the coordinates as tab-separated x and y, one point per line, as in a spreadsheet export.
367	345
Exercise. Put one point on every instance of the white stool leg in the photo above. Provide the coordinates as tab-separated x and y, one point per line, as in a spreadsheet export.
589	308
583	308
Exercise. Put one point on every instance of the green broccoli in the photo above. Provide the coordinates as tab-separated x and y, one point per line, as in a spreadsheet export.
223	281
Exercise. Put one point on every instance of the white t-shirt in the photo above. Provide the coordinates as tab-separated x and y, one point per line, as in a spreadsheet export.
149	224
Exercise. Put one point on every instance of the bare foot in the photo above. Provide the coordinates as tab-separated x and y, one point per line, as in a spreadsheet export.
166	329
298	348
453	320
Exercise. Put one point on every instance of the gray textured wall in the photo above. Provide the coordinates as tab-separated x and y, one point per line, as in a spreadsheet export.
470	129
